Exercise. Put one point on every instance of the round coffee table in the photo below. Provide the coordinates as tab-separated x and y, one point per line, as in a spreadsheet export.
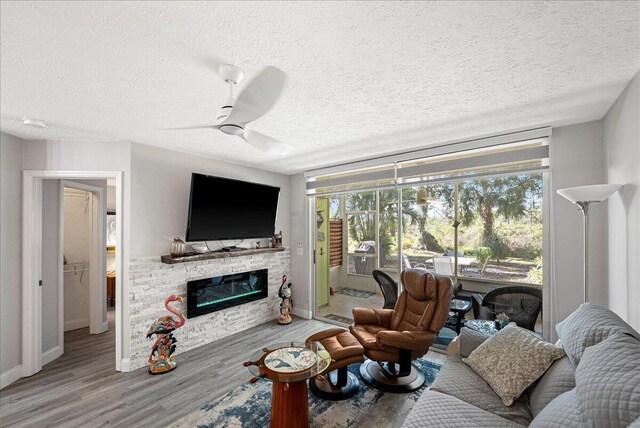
289	366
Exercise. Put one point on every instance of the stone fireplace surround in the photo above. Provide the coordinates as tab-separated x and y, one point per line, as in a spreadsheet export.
151	282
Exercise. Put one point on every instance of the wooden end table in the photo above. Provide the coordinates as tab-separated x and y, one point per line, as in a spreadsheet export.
288	366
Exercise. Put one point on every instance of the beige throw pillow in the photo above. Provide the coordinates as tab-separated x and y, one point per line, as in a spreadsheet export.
512	360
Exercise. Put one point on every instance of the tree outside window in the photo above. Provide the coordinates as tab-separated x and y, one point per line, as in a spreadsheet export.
500	232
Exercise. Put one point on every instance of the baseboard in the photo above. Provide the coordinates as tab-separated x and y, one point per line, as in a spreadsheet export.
51	355
76	324
126	365
10	376
302	313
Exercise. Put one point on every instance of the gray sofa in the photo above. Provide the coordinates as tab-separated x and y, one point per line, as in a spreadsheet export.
597	384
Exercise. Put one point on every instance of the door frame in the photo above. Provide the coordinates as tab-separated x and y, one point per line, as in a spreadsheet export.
97	263
32	266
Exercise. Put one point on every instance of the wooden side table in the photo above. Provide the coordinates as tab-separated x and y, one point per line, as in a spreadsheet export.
289	396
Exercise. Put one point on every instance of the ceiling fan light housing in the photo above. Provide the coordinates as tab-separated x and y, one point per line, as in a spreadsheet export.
232	129
230	73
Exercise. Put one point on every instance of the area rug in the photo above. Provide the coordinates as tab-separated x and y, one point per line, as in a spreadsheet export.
355	293
248	406
339	318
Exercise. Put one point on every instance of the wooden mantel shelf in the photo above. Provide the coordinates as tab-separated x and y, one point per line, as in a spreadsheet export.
218	255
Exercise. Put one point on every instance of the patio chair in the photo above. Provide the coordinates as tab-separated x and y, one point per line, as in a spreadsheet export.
443	265
408	265
521	304
388	287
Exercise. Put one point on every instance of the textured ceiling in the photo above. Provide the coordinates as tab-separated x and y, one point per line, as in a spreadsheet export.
365	78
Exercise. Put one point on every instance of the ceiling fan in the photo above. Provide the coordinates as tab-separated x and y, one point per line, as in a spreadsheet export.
257	98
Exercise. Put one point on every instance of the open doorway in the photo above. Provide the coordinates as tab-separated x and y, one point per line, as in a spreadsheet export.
71	305
74	273
344	266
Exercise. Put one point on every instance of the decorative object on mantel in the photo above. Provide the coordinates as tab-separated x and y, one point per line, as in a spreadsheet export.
285	307
200	248
160	359
257	245
583	196
217	255
177	248
276	241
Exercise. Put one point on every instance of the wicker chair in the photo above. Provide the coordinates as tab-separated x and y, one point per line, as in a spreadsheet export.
521	304
388	287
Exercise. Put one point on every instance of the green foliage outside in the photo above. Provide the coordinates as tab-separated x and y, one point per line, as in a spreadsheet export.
501	224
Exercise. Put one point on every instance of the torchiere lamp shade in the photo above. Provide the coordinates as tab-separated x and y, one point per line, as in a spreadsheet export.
593	193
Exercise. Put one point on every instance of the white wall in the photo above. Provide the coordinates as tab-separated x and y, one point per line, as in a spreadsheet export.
77	249
50	263
622	141
576	159
10	257
300	257
160	186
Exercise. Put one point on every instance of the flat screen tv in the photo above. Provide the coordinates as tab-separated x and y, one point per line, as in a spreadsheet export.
223	209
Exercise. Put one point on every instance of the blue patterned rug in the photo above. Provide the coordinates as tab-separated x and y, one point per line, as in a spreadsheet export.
355	293
249	406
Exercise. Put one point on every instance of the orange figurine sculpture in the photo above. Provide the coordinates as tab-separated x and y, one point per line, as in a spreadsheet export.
160	359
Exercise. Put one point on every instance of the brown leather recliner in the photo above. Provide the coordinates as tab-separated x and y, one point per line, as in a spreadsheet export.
404	333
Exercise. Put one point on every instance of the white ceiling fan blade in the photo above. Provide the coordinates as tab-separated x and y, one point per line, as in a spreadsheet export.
259	96
266	143
203	126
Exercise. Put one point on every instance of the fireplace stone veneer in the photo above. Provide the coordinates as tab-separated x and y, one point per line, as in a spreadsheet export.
150	282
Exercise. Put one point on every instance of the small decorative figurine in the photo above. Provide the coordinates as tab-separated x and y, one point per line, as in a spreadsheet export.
276	241
160	359
177	248
257	245
285	307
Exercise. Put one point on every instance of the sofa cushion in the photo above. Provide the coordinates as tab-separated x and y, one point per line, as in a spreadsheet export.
559	379
561	412
608	382
469	340
434	409
589	325
512	360
459	380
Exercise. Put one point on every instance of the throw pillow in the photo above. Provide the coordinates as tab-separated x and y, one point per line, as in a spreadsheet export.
559	379
608	382
512	360
589	325
561	412
469	340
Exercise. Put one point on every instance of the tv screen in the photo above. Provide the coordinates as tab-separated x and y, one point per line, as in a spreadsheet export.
221	208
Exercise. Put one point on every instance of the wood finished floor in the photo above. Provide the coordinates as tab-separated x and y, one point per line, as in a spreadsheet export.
82	388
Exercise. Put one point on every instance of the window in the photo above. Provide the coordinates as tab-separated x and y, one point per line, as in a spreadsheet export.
335	232
491	189
361	234
429	231
500	230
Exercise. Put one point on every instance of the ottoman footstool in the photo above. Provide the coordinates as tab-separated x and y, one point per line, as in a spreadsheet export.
344	348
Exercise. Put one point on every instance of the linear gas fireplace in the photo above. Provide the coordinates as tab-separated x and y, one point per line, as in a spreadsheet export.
221	292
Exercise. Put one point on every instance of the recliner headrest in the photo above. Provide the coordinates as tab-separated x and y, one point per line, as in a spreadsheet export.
419	284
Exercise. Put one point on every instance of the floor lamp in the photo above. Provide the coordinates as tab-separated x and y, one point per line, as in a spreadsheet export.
583	196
